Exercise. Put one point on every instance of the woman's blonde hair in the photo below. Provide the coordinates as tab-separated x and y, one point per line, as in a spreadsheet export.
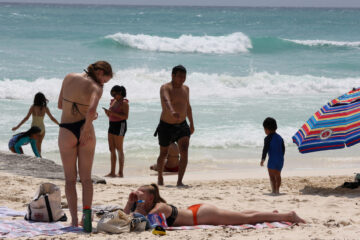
99	65
154	190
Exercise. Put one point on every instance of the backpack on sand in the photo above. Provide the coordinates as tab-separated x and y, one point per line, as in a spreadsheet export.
46	205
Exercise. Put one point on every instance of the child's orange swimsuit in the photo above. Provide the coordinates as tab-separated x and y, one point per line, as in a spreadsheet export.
195	209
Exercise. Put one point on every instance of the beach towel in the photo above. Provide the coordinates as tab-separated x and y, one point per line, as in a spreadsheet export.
239	227
22	228
160	220
7	212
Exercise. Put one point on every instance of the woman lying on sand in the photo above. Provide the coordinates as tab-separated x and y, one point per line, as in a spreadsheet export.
147	199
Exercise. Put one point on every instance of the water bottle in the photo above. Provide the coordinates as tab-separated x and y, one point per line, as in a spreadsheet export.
87	224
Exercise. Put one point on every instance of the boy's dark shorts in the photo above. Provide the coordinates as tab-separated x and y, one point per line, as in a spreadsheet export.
169	133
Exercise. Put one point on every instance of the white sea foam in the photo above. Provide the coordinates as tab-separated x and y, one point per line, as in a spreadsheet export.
232	43
143	85
325	43
214	90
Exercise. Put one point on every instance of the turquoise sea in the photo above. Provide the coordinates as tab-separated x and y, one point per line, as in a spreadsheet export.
244	64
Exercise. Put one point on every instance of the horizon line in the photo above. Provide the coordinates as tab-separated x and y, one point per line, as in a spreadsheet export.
171	5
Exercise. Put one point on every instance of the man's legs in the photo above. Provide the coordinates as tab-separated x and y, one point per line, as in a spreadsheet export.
183	144
161	163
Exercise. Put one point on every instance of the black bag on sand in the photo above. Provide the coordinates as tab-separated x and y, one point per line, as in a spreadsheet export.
351	185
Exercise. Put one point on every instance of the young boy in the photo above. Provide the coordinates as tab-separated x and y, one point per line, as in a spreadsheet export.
274	145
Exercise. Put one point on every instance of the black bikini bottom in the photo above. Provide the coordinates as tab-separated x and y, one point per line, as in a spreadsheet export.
74	127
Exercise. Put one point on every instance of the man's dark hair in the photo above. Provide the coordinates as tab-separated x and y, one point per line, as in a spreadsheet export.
178	68
270	124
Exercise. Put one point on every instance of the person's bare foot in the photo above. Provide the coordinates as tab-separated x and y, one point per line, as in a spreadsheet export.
120	175
160	180
180	184
74	224
295	218
111	175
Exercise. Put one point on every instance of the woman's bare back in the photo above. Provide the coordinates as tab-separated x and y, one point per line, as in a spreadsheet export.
77	90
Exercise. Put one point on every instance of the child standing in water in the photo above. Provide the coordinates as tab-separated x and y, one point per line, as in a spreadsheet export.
20	139
37	111
118	114
274	146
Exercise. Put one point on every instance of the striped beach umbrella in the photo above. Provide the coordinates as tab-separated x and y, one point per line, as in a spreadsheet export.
334	126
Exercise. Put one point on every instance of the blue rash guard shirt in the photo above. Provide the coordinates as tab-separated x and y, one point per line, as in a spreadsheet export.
274	146
26	140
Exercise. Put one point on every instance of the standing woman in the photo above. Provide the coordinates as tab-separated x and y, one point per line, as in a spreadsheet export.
118	114
37	111
79	96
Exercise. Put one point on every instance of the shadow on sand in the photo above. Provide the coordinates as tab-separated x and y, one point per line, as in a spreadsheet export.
327	191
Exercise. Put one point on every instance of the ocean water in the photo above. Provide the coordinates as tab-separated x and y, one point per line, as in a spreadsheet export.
244	64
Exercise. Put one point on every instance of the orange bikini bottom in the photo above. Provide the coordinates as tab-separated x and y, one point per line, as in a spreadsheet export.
195	209
173	169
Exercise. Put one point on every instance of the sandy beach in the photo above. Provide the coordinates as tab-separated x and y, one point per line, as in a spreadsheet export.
331	212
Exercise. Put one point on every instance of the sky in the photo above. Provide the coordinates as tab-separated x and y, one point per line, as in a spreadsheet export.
242	3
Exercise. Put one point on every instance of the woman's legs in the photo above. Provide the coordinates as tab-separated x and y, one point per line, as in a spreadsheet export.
210	214
111	141
68	152
39	142
86	158
119	140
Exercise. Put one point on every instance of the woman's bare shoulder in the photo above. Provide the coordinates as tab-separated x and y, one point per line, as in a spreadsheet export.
161	206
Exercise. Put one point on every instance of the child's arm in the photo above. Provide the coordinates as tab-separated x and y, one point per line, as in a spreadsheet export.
24	120
123	115
34	148
267	141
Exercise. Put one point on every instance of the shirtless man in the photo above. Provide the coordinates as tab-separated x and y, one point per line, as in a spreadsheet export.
175	103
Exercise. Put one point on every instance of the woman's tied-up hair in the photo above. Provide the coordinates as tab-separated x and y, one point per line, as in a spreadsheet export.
99	65
154	190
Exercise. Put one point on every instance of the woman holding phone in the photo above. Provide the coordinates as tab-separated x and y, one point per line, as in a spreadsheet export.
118	114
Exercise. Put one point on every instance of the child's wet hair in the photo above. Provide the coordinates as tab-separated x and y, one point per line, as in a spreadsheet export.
118	90
28	133
270	124
40	100
178	68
